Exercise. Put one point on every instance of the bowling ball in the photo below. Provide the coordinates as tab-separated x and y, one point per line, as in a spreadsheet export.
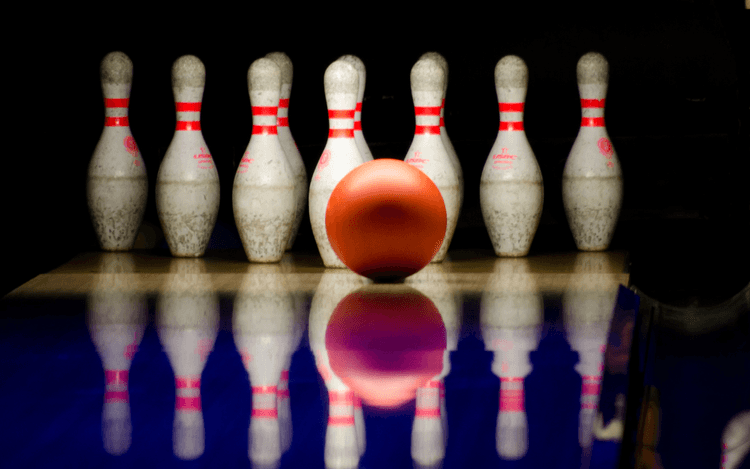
386	219
384	344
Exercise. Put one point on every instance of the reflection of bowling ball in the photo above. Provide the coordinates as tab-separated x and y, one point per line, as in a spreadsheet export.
384	344
386	219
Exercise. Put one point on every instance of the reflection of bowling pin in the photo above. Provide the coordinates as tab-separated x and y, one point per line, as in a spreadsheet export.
433	283
117	187
263	323
340	154
187	320
592	179
359	137
343	443
116	318
511	316
735	441
588	303
444	133
427	151
287	143
511	191
187	185
263	195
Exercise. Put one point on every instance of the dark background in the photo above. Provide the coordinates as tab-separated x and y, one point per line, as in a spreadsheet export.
677	113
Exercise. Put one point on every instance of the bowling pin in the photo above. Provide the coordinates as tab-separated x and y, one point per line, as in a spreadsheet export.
511	193
427	151
187	322
116	317
287	143
263	195
340	154
359	137
592	178
511	316
116	187
588	304
444	133
264	322
735	441
433	283
187	186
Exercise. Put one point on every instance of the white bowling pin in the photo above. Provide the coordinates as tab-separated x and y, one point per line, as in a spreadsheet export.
343	440
187	322
187	186
427	151
116	187
263	194
511	192
433	283
340	154
592	178
299	174
444	133
359	137
116	317
735	441
588	303
511	316
264	322
427	442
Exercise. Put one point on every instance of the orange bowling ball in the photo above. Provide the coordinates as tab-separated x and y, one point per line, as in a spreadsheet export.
386	219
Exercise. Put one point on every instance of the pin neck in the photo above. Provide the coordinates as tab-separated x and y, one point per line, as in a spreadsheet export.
188	116
341	123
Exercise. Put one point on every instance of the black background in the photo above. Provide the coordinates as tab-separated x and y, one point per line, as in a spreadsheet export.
677	113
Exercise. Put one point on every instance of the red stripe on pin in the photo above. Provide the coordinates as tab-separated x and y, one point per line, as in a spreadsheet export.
592	122
511	379
590	389
188	107
358	125
264	110
282	122
188	125
188	404
507	125
511	107
116	377
116	396
265	413
116	121
285	374
122	102
427	110
264	130
511	401
263	389
359	107
431	412
283	394
432	384
188	382
284	102
341	397
341	113
357	402
592	103
427	129
342	420
341	133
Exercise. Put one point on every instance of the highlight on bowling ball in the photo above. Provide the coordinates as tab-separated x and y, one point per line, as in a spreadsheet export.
384	344
386	219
